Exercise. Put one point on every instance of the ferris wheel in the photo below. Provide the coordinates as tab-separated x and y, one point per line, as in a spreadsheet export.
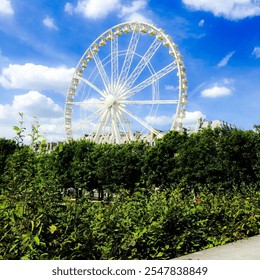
130	84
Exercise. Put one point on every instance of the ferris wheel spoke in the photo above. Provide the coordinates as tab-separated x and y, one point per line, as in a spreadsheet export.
87	120
115	126
101	70
156	76
129	57
89	102
114	62
101	124
143	62
152	102
144	124
126	125
92	86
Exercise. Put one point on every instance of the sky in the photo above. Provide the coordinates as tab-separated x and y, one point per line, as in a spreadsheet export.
42	41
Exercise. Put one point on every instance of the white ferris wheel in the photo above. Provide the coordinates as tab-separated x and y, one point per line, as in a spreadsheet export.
130	84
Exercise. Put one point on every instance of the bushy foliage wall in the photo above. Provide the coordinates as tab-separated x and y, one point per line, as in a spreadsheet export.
184	194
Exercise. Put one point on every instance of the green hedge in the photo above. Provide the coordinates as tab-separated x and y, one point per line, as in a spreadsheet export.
163	225
184	194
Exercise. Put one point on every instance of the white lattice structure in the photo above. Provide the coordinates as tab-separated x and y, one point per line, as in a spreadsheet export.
120	86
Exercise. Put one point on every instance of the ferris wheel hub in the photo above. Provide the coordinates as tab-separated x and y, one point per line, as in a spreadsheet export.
110	100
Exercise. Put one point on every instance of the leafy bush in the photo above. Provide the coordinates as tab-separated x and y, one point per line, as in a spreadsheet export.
182	195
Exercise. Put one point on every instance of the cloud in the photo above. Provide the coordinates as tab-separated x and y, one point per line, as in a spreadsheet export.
33	104
158	120
135	12
201	23
95	9
6	8
49	22
191	118
99	9
36	77
69	8
256	52
215	92
171	88
226	59
92	105
228	81
230	9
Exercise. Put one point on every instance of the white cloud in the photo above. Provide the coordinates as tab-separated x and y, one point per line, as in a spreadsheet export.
69	8
135	7
33	103
49	22
228	81
191	118
98	9
215	92
230	9
135	12
256	52
201	23
158	120
171	88
6	8
137	17
226	59
91	105
36	77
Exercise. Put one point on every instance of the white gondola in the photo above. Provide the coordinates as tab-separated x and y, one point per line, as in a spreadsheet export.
118	32
79	72
143	29
152	31
72	91
183	99
95	48
70	101
84	63
89	56
126	29
75	81
172	52
68	111
109	36
136	28
160	36
103	41
67	121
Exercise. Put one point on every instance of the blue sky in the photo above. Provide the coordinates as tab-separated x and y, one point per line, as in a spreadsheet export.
41	42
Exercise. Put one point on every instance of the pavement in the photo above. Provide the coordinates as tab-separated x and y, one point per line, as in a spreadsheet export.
246	249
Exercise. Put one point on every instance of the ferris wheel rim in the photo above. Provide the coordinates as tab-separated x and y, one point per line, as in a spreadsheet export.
167	41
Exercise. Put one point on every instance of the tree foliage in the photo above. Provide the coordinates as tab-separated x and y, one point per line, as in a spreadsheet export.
186	193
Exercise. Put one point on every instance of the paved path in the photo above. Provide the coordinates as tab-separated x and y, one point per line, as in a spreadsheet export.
246	249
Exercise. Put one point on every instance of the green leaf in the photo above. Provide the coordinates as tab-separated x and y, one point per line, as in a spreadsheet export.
32	224
15	127
37	240
52	229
